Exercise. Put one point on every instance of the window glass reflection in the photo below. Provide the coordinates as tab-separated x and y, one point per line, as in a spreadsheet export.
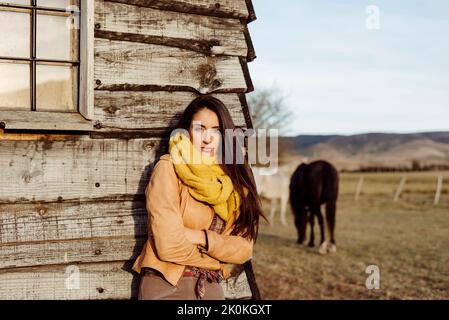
56	3
55	40
21	2
15	85
56	88
15	33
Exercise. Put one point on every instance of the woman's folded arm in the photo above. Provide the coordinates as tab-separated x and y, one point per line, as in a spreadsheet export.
228	248
165	222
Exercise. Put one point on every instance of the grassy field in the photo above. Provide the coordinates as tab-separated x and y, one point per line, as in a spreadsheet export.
408	240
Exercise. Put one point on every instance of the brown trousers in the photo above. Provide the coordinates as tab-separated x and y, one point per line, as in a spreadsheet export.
155	287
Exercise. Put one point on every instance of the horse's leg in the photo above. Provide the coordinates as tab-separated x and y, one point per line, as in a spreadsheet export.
321	223
272	211
301	223
312	222
284	201
330	217
331	209
323	243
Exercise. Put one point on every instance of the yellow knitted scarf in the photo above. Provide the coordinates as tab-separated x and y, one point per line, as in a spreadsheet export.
205	179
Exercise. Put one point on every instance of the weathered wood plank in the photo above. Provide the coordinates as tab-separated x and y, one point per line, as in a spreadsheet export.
157	109
122	65
246	75
28	120
68	221
19	135
88	281
249	44
246	112
13	255
237	9
209	35
75	170
252	14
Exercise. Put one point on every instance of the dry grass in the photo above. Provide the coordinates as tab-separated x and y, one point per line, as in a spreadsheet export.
408	240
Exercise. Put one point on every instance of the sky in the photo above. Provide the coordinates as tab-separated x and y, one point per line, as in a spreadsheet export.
355	66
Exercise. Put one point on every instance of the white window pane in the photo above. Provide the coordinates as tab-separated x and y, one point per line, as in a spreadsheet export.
15	85
56	3
56	88
23	2
15	34
55	40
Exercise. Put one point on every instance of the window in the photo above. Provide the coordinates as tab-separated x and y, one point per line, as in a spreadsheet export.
46	62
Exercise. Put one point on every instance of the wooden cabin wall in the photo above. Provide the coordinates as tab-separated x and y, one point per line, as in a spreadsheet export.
72	206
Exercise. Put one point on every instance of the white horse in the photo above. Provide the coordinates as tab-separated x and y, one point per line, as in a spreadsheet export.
274	186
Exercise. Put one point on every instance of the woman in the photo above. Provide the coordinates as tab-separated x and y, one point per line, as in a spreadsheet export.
202	213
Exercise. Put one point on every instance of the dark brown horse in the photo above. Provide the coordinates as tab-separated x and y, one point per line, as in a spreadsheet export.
312	185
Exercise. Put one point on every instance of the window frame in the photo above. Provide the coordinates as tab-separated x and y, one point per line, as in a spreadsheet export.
81	119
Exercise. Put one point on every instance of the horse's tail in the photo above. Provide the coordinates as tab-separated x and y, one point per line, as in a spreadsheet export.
296	181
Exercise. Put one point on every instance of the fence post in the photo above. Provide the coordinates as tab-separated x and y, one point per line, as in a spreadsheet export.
359	189
399	189
439	188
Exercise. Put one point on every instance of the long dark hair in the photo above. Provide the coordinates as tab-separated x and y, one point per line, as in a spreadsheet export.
247	224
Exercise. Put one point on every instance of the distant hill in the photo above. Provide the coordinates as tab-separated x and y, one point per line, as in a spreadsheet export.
373	149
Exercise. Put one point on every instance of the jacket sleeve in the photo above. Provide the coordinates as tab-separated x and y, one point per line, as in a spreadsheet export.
228	248
165	221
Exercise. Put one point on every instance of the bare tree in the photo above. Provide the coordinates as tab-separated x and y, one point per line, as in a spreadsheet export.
269	110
